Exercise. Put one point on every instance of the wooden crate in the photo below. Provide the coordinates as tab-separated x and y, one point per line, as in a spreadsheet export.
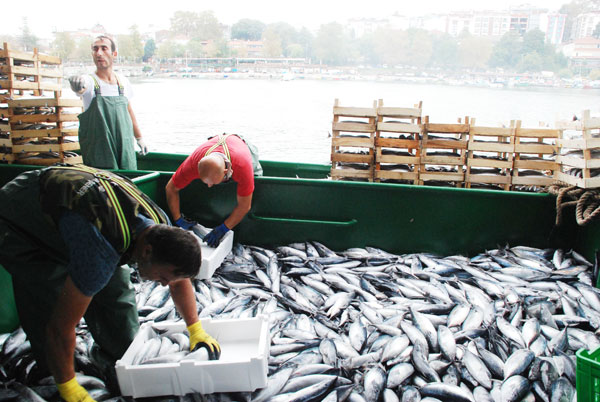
490	153
398	144
352	142
29	71
40	129
535	157
578	158
443	153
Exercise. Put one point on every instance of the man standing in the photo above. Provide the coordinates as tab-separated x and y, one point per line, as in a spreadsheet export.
218	160
108	125
65	233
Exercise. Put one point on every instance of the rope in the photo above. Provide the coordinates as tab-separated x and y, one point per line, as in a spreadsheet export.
586	202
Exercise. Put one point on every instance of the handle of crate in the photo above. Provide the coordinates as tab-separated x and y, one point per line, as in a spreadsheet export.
294	220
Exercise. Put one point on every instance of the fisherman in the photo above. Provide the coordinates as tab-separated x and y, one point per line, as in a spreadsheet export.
218	160
65	233
107	125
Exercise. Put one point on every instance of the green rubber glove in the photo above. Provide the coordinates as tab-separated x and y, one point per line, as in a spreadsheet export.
200	339
71	391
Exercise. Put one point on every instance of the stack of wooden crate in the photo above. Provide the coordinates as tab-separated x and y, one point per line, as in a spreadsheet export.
37	126
490	153
579	152
535	157
353	142
443	153
43	132
398	144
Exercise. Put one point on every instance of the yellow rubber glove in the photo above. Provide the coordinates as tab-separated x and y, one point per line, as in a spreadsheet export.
71	391
200	339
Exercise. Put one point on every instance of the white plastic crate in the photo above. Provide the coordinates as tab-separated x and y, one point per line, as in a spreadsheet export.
242	367
213	257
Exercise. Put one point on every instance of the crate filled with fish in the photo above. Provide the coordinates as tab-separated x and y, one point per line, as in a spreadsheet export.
443	153
29	71
489	157
535	157
579	152
44	130
366	324
159	362
353	142
398	144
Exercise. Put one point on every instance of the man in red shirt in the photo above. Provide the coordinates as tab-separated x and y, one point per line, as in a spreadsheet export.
221	158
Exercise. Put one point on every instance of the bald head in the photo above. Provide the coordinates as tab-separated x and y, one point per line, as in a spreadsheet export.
212	169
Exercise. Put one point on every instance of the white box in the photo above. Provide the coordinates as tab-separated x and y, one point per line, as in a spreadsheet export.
213	257
242	367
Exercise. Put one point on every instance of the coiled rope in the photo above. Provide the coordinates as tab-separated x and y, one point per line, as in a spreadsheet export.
587	202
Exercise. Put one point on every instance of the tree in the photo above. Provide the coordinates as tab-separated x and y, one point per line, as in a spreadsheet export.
331	44
534	41
272	43
149	49
596	33
531	62
83	50
208	27
419	47
63	45
196	48
247	29
444	51
169	49
184	23
473	51
507	51
286	33
27	39
192	25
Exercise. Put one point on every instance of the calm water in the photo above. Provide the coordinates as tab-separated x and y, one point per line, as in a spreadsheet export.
291	120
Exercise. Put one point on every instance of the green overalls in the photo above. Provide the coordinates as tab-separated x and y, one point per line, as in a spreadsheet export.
106	132
32	251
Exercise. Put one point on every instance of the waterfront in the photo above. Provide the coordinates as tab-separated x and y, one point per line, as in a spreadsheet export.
291	120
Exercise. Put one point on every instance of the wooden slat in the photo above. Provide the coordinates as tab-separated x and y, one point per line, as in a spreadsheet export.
484	146
396	143
395	127
69	146
535	148
15	54
491	131
446	128
533	180
355	111
535	164
354	173
442	160
354	158
581	163
352	142
491	163
54	132
580	143
442	176
444	144
393	175
49	161
46	102
409	160
487	178
353	126
398	112
537	133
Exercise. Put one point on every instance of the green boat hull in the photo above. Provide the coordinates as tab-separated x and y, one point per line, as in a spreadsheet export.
293	203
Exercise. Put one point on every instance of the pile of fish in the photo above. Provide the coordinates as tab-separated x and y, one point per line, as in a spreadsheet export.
367	325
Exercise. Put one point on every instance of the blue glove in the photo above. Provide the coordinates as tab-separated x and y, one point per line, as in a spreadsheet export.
184	223
214	237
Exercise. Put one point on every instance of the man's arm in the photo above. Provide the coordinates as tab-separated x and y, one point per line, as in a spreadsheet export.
172	194
243	206
60	331
136	128
182	293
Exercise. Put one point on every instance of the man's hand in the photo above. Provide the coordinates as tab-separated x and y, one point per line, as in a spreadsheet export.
77	84
71	391
142	145
200	339
213	239
184	223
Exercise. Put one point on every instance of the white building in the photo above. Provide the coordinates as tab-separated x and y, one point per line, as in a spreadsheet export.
584	25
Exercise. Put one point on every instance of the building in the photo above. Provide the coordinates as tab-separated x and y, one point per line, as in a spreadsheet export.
553	25
246	48
583	53
585	24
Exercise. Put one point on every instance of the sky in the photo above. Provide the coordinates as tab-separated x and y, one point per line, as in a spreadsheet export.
118	16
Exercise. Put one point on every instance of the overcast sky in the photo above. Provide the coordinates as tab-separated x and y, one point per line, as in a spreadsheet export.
117	16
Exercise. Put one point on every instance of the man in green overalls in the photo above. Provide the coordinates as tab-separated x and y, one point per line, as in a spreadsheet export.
65	234
108	125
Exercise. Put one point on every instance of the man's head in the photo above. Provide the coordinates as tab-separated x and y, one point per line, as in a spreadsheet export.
104	51
212	169
168	254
